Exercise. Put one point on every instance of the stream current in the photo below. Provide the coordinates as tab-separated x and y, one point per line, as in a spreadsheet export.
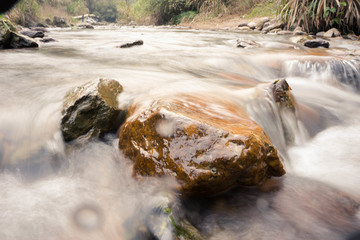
89	193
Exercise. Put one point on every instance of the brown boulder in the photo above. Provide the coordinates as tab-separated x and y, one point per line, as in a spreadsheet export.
209	144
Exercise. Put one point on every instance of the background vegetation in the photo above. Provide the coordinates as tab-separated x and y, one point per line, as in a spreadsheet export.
312	15
140	11
321	15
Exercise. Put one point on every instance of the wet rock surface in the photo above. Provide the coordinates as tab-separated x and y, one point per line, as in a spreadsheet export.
332	33
316	44
33	34
47	40
10	38
92	110
247	43
132	44
209	145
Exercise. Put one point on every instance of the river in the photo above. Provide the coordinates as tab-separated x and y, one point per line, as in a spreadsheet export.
47	192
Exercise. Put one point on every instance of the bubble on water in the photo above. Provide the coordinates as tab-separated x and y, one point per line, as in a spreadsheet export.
88	217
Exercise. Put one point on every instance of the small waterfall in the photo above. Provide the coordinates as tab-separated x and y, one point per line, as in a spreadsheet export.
334	71
278	117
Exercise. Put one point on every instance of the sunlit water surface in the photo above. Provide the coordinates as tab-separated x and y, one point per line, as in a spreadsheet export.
89	193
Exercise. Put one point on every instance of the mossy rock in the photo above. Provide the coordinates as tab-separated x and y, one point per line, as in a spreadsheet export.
10	38
92	110
208	144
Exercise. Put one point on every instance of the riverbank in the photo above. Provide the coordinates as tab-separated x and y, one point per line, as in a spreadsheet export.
222	22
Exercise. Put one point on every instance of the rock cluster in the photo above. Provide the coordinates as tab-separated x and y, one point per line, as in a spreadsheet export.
10	38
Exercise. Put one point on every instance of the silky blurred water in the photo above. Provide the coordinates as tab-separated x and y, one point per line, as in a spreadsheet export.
47	192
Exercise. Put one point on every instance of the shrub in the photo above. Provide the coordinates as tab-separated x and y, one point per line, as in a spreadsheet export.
187	16
321	15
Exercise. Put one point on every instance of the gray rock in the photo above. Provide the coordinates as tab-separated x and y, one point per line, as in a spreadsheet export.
47	39
128	45
320	34
332	33
261	22
60	22
301	39
284	32
352	37
298	31
48	21
272	26
85	25
275	30
10	38
252	25
245	28
92	110
247	43
243	25
316	44
33	34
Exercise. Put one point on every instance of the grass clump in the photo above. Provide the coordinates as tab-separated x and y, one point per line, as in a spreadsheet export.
321	15
184	16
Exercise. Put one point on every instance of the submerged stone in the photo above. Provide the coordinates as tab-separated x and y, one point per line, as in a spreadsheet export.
135	43
208	144
92	110
247	43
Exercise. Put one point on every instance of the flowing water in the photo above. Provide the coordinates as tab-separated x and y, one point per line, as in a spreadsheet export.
47	192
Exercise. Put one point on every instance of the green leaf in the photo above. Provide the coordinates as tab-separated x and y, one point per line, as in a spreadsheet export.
343	3
335	20
333	10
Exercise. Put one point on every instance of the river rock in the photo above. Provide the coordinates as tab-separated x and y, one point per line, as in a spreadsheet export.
333	32
10	38
272	25
247	43
261	22
135	43
59	22
92	110
316	44
48	21
208	144
320	34
284	32
47	40
33	34
85	25
301	39
243	25
298	31
252	25
275	30
246	28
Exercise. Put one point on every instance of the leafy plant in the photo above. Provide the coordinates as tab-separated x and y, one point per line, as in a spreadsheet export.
321	15
187	16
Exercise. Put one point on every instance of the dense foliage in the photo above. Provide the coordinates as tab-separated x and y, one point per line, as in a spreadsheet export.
321	15
141	11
